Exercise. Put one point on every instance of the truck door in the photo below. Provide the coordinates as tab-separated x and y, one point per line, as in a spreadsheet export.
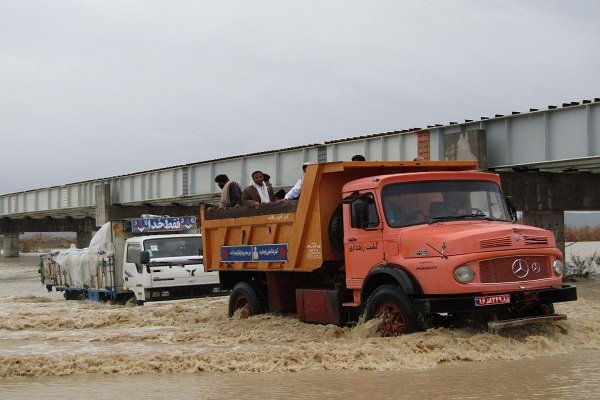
363	246
133	271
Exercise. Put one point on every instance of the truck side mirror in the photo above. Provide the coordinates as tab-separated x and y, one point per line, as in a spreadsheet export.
511	208
359	215
144	257
363	213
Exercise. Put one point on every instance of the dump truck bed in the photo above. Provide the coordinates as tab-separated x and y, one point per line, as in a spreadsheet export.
282	237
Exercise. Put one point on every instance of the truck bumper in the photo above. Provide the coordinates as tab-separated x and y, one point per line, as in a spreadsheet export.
497	326
446	304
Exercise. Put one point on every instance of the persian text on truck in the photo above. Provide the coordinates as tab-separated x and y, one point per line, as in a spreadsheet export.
110	268
406	242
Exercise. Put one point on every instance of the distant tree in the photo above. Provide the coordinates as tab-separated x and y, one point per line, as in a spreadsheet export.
41	243
582	266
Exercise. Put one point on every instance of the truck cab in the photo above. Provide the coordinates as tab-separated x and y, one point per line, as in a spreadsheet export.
173	267
451	241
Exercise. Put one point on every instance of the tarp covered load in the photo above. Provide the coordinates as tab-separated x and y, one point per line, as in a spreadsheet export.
81	267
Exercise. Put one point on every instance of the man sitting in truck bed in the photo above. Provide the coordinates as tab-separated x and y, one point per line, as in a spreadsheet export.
294	192
231	194
257	199
257	192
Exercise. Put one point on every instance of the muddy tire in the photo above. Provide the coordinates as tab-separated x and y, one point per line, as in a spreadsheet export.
245	298
548	309
261	292
398	315
537	310
336	231
133	301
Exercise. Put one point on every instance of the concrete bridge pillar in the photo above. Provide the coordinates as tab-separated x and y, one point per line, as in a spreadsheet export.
553	221
83	239
10	246
103	204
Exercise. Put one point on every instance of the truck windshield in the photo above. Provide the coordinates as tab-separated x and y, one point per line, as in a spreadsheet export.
174	247
425	202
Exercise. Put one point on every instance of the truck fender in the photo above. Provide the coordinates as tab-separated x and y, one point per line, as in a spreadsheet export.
389	274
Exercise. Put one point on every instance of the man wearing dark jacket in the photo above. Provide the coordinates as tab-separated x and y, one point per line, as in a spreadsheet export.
258	192
231	195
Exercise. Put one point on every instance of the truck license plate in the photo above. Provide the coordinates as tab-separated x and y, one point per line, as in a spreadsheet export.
492	300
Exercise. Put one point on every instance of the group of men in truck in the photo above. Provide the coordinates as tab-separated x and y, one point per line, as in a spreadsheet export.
260	190
256	193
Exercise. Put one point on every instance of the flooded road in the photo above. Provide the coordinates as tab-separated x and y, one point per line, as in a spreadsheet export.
189	349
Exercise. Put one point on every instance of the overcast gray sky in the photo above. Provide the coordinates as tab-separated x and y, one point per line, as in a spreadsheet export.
93	89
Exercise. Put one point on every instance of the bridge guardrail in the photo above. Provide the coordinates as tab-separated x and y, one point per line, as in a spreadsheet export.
569	132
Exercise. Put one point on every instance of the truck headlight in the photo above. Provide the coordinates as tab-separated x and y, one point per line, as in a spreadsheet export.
464	274
558	266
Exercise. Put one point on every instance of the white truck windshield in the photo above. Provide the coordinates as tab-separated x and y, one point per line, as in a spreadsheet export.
174	247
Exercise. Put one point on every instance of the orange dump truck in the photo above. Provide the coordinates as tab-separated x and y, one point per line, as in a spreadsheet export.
410	243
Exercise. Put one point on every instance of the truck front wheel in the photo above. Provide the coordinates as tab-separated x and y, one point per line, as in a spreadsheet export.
243	297
397	314
133	301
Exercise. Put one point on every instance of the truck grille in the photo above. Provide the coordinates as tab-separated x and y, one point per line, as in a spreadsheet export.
495	242
505	241
535	240
499	270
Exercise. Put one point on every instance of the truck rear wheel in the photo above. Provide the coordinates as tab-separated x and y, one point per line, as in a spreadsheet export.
398	316
244	297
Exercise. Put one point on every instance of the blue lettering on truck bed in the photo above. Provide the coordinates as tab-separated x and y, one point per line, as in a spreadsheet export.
261	252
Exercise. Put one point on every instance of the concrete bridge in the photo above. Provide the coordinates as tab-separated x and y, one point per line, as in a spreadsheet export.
548	160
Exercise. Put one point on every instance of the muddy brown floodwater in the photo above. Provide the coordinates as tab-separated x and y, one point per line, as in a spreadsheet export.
51	348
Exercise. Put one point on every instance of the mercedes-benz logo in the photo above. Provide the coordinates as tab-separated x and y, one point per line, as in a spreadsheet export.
520	269
536	267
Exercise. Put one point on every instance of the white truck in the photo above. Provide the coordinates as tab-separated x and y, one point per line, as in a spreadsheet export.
110	269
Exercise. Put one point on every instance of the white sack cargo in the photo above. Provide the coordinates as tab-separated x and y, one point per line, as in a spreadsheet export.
80	266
